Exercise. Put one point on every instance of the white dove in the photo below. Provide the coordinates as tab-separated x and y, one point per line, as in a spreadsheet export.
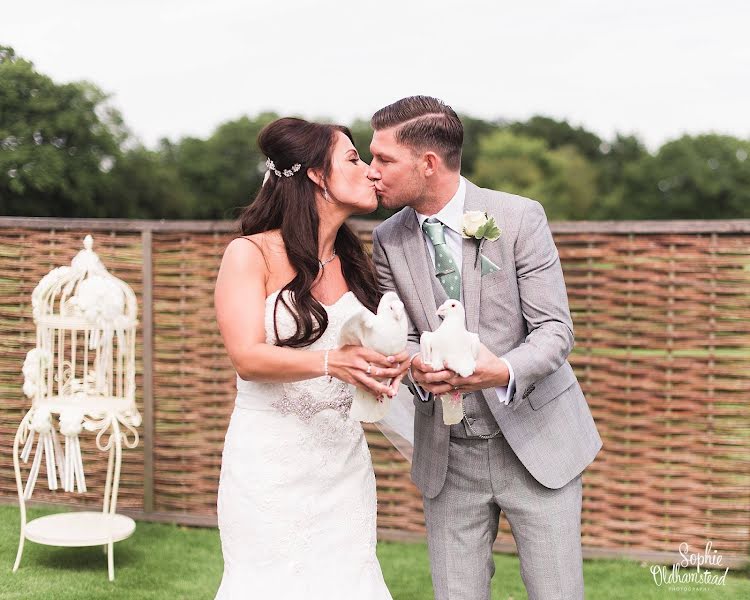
450	346
384	332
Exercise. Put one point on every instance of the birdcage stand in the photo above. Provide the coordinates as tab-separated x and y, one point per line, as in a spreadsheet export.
85	528
82	371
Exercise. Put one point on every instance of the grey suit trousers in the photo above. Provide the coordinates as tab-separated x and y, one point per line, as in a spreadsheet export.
485	477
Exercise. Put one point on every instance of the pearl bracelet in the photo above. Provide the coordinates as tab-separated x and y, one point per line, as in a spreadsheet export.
325	366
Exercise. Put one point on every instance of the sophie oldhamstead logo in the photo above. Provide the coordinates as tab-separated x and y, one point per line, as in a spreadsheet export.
694	572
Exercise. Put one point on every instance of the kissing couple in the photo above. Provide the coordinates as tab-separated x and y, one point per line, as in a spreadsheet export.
297	502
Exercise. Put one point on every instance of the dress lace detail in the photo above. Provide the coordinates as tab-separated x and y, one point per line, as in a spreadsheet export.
297	502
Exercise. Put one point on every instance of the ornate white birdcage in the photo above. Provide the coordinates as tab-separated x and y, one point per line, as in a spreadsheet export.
82	369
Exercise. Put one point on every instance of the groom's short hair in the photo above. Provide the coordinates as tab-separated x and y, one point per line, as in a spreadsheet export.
424	123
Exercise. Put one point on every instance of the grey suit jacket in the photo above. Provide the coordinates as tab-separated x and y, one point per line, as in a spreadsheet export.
521	314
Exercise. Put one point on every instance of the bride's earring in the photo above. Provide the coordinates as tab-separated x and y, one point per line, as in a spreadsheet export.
325	193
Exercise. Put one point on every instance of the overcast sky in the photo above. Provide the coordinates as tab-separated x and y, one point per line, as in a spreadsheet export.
658	68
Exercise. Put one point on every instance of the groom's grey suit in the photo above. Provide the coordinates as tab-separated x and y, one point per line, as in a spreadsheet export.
532	470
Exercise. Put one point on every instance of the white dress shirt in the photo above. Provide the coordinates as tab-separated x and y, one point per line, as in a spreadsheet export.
451	215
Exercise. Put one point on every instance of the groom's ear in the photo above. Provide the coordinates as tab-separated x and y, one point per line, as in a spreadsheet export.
431	162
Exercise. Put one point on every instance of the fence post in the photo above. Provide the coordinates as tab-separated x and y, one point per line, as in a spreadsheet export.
148	371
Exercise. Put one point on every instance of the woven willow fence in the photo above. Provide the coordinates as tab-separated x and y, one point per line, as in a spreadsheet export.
662	321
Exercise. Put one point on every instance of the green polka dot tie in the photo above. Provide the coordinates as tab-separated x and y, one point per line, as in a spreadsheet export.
445	266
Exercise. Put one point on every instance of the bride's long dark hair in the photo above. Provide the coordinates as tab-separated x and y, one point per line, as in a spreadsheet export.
288	204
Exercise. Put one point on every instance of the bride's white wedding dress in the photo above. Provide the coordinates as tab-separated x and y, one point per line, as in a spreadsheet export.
297	503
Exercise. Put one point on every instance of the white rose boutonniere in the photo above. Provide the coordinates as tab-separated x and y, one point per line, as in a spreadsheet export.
476	224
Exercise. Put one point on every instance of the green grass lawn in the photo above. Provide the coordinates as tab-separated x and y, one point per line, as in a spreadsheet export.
174	562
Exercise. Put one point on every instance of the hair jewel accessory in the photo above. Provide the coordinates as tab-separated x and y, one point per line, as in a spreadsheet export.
286	172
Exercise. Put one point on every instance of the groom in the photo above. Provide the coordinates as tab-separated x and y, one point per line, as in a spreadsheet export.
527	432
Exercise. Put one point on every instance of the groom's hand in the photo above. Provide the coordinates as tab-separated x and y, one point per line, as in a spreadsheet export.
490	372
425	376
401	364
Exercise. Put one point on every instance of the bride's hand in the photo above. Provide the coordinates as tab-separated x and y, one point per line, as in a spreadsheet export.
351	364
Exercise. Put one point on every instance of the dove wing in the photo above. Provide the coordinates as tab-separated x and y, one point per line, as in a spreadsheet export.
351	330
425	347
475	343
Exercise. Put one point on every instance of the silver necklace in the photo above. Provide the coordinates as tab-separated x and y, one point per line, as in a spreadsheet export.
325	262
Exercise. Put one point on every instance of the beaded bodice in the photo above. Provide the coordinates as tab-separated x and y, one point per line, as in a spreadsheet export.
308	397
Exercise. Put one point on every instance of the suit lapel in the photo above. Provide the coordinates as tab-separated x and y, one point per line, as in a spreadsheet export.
471	275
422	272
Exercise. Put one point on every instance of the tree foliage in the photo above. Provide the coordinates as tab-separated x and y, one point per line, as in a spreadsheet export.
561	179
57	143
64	151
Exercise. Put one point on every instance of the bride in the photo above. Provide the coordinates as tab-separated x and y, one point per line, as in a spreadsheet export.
296	503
